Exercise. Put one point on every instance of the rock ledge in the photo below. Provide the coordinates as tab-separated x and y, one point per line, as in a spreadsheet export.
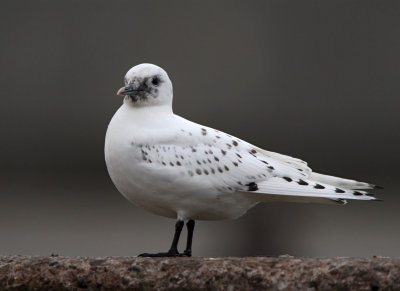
230	273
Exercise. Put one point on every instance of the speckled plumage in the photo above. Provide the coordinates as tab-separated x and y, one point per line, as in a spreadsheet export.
176	168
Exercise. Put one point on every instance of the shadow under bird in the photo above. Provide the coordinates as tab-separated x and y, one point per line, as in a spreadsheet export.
176	168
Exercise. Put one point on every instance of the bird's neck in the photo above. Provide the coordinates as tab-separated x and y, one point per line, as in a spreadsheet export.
147	113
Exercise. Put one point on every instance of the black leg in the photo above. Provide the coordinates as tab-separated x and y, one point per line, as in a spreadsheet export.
190	228
178	229
173	252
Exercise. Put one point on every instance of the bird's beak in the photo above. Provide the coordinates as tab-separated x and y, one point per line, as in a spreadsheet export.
127	90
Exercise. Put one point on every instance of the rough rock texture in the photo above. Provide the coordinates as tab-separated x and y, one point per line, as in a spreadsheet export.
250	273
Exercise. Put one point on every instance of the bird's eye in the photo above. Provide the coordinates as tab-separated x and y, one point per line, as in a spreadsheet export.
155	81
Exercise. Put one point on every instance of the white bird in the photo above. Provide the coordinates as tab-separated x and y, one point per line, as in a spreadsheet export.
176	168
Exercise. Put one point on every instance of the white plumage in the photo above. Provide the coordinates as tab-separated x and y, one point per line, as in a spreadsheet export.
179	169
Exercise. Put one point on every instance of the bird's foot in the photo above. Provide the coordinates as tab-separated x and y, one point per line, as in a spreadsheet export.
167	254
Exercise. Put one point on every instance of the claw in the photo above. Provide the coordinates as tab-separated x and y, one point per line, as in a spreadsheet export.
167	254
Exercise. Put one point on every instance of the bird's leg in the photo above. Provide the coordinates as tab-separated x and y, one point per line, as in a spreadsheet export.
190	228
173	251
174	246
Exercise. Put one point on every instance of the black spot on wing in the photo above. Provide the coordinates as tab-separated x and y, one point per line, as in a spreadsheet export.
252	186
288	179
319	186
204	131
337	190
356	193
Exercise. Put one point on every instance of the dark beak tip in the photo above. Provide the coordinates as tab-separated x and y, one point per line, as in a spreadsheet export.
124	90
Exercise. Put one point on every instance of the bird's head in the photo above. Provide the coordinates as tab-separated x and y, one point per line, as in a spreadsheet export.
146	85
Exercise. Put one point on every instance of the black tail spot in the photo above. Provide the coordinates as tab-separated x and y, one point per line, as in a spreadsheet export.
318	186
302	182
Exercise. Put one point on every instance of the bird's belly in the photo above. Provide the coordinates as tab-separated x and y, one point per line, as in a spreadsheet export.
189	205
163	194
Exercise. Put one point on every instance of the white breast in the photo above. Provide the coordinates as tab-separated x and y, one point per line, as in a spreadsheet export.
148	180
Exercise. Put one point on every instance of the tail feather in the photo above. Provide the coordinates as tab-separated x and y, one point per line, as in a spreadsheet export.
340	182
309	190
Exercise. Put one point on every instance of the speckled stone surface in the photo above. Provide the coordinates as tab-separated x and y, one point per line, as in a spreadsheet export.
249	273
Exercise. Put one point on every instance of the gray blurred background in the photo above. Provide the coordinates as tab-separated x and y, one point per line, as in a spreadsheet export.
318	80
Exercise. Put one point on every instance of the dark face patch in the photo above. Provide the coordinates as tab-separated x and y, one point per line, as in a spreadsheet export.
145	88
